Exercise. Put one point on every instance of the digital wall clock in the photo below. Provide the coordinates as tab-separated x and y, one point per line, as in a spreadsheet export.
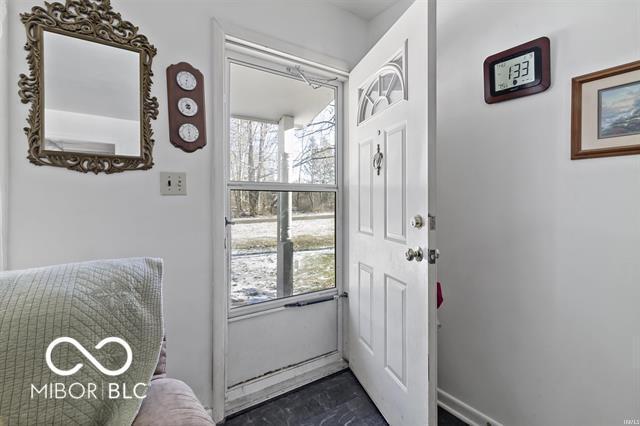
520	71
187	119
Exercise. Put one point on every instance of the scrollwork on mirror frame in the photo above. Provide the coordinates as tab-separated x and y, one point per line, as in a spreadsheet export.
93	20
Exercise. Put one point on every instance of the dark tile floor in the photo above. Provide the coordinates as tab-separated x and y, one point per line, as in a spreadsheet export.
336	400
447	419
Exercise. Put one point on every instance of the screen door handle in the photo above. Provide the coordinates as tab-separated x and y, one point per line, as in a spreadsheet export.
302	303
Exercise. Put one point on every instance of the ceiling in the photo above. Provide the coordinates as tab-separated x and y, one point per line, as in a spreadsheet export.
263	95
365	9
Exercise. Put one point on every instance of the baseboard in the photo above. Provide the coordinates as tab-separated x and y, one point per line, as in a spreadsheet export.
463	411
245	395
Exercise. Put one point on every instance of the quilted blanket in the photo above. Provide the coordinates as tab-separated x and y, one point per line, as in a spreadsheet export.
79	342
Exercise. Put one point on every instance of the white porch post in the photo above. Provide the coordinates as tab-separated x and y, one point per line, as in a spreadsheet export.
285	245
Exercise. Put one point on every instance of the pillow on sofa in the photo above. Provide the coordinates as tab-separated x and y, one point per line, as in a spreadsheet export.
80	342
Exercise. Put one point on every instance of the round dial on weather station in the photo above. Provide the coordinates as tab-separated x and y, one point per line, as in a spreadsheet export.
186	80
187	107
189	133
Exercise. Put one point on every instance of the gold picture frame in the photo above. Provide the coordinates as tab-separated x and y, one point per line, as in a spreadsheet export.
95	21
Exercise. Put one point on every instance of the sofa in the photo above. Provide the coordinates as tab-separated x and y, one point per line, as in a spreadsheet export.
170	402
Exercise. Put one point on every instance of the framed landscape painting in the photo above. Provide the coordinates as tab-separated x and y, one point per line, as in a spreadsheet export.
605	113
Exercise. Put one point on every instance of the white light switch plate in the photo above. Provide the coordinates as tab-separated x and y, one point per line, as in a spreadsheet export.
173	183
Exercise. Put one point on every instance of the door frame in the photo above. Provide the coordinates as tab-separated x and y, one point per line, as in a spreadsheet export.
219	125
261	388
432	142
218	121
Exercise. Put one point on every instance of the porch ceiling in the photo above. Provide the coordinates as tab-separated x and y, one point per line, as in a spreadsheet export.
266	96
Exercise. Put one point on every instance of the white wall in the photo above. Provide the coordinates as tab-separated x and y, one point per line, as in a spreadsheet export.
381	23
60	216
4	130
540	324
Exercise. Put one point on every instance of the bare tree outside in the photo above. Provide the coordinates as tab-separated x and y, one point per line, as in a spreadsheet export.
254	158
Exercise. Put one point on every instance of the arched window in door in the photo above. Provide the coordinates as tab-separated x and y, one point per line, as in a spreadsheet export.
387	87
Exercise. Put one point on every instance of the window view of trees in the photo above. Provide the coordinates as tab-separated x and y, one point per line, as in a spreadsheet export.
254	158
253	151
282	243
257	248
316	161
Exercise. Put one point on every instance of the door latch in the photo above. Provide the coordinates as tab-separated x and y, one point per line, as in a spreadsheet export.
433	255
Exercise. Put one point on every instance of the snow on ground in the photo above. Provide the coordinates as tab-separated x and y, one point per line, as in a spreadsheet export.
249	230
254	266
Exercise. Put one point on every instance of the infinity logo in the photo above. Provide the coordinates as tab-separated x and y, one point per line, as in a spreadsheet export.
88	355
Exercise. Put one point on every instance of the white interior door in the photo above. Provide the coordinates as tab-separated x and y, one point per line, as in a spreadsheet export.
391	302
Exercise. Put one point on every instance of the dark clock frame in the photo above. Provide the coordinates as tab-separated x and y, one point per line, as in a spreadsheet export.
541	49
176	118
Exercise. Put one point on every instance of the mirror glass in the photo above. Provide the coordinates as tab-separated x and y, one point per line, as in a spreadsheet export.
91	97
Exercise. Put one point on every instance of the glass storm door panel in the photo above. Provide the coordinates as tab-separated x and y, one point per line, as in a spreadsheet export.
277	255
283	218
281	130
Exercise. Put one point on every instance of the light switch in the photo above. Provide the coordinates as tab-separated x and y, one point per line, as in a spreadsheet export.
173	183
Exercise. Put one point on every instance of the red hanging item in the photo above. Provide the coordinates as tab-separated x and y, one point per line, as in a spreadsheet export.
440	298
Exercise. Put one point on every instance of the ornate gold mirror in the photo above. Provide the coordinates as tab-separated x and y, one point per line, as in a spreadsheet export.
89	88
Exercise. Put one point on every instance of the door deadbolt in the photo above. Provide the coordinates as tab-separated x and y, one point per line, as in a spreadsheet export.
417	255
417	222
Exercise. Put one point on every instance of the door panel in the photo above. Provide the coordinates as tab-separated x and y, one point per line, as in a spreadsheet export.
394	184
391	321
365	187
365	304
270	340
396	330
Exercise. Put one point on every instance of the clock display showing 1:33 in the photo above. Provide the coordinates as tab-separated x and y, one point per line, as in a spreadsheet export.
515	72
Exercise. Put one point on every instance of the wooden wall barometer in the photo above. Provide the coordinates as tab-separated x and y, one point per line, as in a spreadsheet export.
187	118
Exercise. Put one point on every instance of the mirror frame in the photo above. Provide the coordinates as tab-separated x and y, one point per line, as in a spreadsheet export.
95	21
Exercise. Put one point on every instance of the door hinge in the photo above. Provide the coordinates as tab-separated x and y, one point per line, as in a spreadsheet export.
433	255
344	295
